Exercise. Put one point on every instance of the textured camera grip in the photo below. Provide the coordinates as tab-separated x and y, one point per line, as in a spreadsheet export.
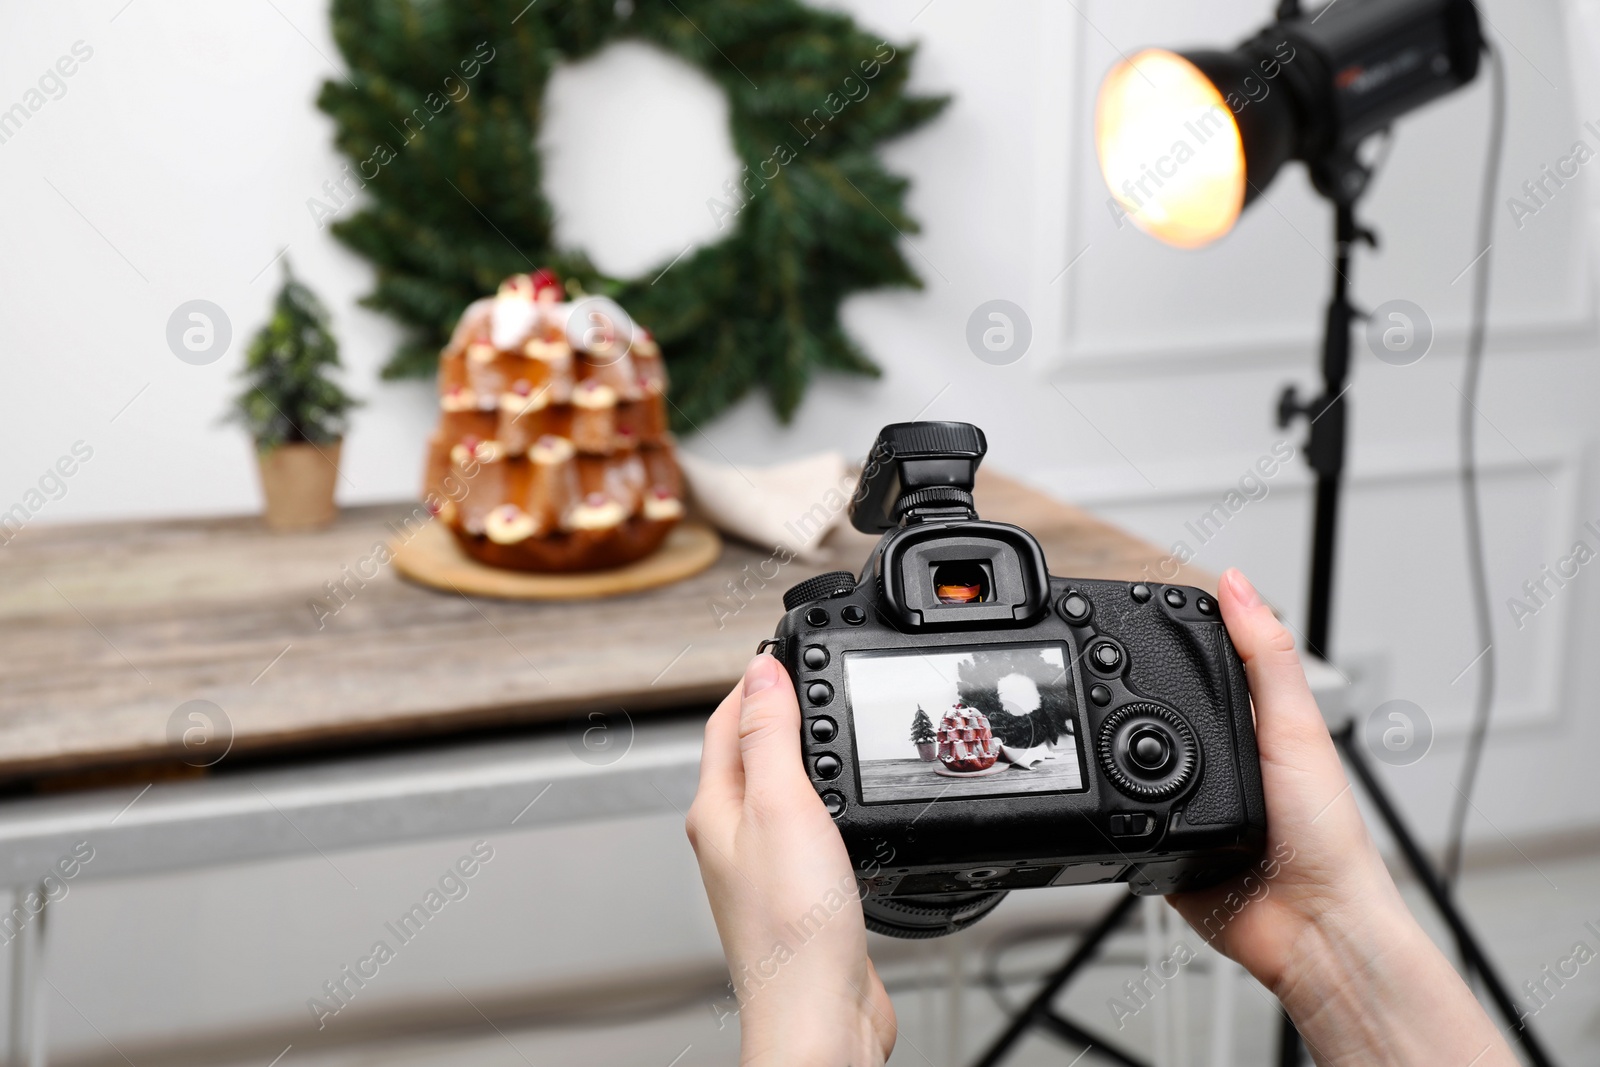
1244	731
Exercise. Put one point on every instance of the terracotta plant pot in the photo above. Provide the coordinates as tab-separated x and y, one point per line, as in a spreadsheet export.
297	481
928	750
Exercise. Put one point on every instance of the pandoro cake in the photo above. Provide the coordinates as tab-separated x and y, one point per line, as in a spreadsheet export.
552	452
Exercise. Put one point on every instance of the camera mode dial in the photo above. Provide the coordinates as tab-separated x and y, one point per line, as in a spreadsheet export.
1147	751
823	586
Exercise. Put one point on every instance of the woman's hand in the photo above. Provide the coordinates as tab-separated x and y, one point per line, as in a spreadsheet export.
782	888
1320	922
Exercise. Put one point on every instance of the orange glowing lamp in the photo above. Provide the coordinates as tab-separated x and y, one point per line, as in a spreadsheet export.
1170	149
1186	141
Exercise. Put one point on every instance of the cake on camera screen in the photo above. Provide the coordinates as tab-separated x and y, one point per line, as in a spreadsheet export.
952	723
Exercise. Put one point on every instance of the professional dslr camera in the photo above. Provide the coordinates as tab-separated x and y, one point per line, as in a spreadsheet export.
975	725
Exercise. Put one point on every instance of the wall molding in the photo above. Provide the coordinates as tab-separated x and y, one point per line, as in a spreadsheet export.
1538	696
1191	481
1572	335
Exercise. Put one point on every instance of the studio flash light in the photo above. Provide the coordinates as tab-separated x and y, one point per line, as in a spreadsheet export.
1187	140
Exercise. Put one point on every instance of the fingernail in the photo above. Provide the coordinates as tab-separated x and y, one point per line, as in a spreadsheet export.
1243	591
761	674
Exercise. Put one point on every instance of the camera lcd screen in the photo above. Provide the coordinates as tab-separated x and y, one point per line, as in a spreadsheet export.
988	721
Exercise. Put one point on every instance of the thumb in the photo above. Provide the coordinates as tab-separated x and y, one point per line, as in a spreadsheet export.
769	731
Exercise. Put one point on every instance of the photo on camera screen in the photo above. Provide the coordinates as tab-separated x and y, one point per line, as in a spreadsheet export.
979	722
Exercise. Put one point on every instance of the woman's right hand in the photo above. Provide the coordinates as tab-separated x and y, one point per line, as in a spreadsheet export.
1319	921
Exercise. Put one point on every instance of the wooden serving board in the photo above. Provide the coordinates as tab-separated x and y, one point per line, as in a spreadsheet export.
432	557
310	645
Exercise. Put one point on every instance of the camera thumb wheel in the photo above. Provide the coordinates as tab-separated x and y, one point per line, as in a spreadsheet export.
914	918
1148	751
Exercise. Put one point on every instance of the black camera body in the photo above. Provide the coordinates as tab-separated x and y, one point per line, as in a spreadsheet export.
975	725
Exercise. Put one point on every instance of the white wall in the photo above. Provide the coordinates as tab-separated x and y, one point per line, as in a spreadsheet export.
180	158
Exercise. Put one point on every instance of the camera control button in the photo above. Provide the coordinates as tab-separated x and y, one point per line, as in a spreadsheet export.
834	802
1100	694
1075	607
1149	750
819	693
828	766
1140	593
1206	605
1134	825
853	614
1174	598
815	657
1106	656
824	730
817	617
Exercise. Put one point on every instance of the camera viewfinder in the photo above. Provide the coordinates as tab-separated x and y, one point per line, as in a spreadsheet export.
962	582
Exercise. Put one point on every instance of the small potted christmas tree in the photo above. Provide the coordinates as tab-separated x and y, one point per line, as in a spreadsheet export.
295	412
924	737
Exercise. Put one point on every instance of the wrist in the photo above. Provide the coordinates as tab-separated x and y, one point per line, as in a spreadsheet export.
809	1029
823	1039
1370	987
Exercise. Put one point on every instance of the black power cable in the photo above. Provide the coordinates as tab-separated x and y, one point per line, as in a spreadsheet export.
1472	373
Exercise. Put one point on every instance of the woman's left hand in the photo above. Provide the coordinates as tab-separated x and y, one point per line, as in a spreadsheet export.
782	888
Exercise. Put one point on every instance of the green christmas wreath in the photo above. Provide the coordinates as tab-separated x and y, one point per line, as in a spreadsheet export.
978	686
440	117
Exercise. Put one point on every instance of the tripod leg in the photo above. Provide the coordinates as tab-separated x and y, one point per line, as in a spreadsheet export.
1071	1032
1470	949
1289	1045
1154	924
1039	1006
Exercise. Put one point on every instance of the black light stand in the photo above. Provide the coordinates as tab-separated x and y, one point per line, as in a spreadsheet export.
1327	421
1325	451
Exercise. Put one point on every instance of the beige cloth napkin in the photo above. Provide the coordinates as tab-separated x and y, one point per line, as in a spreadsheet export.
1025	758
790	508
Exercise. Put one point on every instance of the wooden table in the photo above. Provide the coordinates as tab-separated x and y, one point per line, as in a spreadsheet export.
109	629
392	713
